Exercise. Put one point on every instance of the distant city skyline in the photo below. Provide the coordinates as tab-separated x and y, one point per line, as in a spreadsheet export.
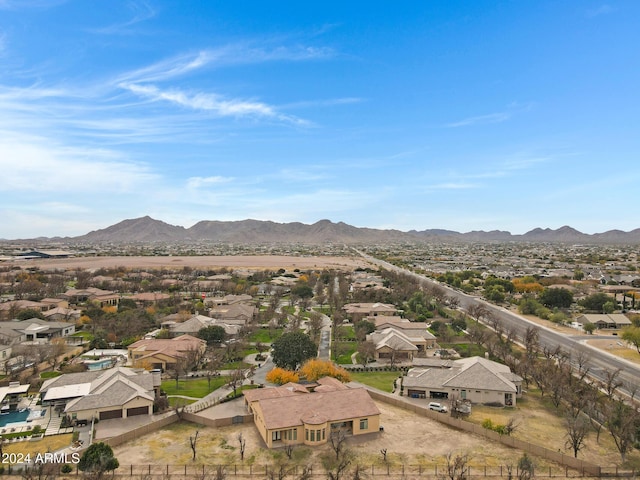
427	115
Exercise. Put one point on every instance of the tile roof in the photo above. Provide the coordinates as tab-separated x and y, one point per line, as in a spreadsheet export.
335	406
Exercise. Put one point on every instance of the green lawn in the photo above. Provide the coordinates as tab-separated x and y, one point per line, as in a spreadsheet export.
83	334
193	387
266	335
50	374
380	380
346	349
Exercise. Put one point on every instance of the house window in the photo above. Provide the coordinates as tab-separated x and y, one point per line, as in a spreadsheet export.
295	434
317	435
323	430
313	435
364	424
306	434
276	436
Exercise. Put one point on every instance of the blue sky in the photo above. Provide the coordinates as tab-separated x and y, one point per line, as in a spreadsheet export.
449	114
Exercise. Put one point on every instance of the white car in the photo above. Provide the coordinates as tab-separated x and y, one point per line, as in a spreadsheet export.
438	407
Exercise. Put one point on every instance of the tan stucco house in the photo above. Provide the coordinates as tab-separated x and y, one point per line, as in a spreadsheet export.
295	414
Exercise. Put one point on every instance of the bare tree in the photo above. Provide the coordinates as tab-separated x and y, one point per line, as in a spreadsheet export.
236	378
288	450
337	439
243	444
193	440
622	421
457	467
220	473
336	467
576	433
611	382
525	468
314	325
366	352
383	452
478	312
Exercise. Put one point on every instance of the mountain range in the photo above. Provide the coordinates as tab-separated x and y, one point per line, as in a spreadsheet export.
147	229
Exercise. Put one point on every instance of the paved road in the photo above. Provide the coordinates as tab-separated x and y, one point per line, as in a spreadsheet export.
599	362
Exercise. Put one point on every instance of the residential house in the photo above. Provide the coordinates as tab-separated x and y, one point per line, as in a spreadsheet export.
36	330
165	353
358	311
149	298
295	414
234	314
103	394
417	332
612	321
62	313
393	345
91	294
474	379
193	325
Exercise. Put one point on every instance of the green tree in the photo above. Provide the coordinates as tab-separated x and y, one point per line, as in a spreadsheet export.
595	302
127	304
30	313
292	349
495	293
213	334
632	335
363	328
609	307
98	459
556	297
589	327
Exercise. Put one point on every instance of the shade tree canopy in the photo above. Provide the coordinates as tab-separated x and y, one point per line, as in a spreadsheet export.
292	349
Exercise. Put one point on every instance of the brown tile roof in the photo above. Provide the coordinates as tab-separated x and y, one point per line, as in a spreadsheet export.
340	405
174	347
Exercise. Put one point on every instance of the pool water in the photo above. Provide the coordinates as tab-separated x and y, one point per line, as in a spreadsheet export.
13	417
99	364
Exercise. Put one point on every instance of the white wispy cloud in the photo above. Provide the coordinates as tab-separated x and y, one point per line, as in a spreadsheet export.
224	56
29	4
497	117
24	158
324	103
168	68
141	11
604	9
451	186
211	102
200	182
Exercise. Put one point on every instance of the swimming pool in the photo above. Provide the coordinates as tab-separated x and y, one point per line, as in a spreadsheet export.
14	417
99	364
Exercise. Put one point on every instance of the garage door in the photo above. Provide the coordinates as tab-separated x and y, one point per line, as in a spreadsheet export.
131	412
110	414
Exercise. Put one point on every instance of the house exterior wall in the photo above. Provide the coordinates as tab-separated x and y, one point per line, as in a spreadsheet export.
91	413
302	434
474	396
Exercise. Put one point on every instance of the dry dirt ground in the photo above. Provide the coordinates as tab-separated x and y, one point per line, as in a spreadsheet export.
409	440
241	262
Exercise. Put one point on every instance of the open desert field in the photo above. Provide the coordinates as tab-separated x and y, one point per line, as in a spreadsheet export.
242	262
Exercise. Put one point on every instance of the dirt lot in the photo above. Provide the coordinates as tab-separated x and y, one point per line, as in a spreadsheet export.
409	440
241	262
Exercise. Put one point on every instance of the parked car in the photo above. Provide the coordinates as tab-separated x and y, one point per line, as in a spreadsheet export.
438	407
